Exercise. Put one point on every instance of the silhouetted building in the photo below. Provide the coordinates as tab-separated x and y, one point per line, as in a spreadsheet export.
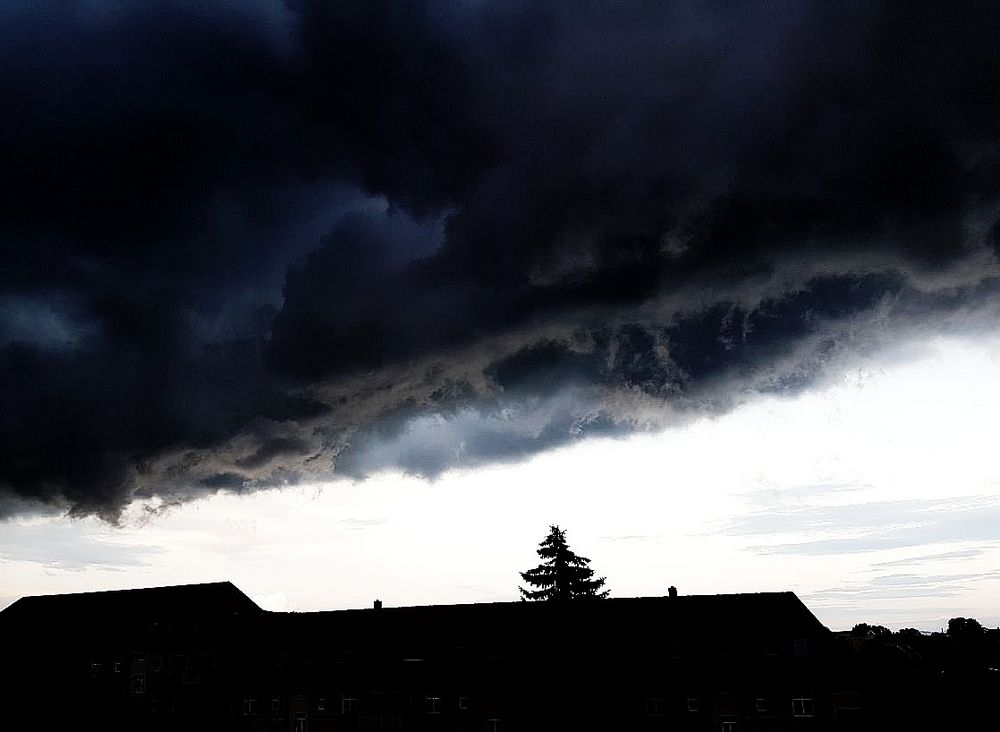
206	657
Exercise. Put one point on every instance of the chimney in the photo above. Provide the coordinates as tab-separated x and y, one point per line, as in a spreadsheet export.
672	591
378	604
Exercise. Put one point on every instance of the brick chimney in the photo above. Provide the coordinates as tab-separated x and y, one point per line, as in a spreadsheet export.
672	591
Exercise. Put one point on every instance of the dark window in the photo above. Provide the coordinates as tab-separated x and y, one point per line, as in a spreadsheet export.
321	704
275	706
300	723
432	704
760	704
847	705
729	725
802	705
348	705
249	705
118	667
654	706
156	662
493	724
801	647
138	683
694	704
463	702
95	670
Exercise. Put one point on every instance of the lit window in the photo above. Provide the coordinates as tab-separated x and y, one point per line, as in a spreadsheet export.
802	706
694	704
432	704
654	706
249	705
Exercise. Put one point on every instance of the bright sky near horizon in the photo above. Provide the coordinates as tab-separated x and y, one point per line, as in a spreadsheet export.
874	497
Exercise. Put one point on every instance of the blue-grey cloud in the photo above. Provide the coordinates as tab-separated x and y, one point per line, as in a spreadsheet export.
873	526
905	586
72	547
957	555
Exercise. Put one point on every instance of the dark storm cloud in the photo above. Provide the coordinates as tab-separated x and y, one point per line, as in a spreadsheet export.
260	242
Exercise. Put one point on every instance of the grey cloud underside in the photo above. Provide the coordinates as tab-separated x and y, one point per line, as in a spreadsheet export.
277	241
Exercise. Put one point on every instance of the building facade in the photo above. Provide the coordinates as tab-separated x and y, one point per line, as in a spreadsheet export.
206	657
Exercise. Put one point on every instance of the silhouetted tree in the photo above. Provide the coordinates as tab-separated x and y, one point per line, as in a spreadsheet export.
871	631
965	628
563	575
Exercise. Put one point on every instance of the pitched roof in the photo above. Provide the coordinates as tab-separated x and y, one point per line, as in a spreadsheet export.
114	608
746	614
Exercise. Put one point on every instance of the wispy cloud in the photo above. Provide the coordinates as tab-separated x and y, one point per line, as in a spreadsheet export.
873	526
72	547
952	556
355	524
903	586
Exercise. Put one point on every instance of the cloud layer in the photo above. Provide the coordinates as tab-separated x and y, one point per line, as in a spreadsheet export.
273	241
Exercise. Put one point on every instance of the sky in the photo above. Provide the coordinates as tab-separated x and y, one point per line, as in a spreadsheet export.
306	295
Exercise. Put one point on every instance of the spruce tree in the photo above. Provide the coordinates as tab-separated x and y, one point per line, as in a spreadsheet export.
563	575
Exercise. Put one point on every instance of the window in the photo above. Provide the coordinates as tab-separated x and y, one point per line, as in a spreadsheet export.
249	705
801	647
95	670
348	705
321	704
654	706
138	683
118	667
493	724
847	704
156	662
300	723
275	706
760	704
463	702
694	704
432	704
729	725
802	706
